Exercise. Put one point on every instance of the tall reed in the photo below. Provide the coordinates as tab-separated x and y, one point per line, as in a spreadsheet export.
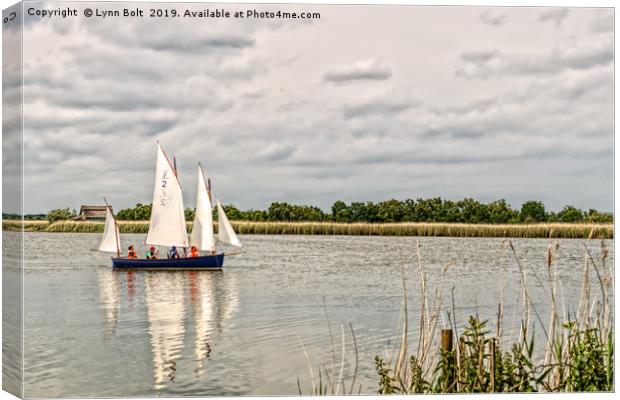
559	230
578	353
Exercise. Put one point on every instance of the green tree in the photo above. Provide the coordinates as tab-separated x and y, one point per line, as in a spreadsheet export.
473	211
190	213
254	215
340	212
430	210
308	213
570	214
279	212
411	214
533	211
233	212
449	211
501	213
595	216
390	211
61	214
141	212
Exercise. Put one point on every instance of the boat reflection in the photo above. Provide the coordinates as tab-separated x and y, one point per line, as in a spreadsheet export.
178	305
212	303
109	299
165	301
202	294
131	287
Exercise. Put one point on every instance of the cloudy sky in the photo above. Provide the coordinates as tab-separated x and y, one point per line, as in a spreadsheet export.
365	103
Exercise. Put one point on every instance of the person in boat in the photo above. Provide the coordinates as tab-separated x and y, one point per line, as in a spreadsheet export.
193	252
131	254
151	254
173	253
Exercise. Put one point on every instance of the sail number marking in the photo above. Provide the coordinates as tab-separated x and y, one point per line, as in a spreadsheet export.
164	194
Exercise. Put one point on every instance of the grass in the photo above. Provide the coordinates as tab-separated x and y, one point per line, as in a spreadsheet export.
556	230
577	354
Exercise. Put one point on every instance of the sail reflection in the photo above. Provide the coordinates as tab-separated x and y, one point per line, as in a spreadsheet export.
202	294
213	302
109	298
169	301
165	301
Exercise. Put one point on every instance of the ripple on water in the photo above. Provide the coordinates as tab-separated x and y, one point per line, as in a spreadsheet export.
93	331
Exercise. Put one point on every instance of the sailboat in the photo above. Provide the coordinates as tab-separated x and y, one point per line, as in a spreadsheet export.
111	240
168	228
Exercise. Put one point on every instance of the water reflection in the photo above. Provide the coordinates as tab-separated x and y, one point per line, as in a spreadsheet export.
131	287
171	299
109	298
165	301
203	298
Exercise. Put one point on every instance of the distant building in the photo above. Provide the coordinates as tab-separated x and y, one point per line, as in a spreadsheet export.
92	213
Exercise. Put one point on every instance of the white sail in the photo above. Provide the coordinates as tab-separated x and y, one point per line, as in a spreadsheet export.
225	231
110	242
202	232
167	227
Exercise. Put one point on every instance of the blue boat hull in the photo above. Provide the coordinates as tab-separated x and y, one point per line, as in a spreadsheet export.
215	261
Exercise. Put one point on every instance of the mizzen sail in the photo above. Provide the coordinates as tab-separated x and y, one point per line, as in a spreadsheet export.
225	231
110	243
167	226
202	232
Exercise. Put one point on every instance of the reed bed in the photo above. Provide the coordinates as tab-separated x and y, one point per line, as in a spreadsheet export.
28	226
577	354
559	230
556	230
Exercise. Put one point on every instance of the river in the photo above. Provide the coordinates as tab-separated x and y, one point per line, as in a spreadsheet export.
91	331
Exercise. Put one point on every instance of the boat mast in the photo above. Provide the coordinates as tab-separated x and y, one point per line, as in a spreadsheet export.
207	183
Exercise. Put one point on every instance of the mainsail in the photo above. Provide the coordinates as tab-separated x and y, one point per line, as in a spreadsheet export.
110	242
225	231
202	232
167	226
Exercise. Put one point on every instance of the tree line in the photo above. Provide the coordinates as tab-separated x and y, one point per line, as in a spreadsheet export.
420	210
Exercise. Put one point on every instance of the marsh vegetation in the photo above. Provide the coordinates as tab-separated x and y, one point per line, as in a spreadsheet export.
542	230
575	351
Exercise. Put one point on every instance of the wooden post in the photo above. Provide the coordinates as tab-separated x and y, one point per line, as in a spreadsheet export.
446	340
446	349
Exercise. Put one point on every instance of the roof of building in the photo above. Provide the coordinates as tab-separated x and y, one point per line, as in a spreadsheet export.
93	211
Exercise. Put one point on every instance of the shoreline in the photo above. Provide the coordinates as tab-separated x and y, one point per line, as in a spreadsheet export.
543	230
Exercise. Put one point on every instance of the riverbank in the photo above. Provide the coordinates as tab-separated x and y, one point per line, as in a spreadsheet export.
555	230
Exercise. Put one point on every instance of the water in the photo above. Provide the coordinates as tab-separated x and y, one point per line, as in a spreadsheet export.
91	331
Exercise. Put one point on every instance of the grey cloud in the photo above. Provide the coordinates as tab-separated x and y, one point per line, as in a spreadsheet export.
490	18
397	156
603	21
377	106
197	44
555	15
488	63
276	152
372	70
369	132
